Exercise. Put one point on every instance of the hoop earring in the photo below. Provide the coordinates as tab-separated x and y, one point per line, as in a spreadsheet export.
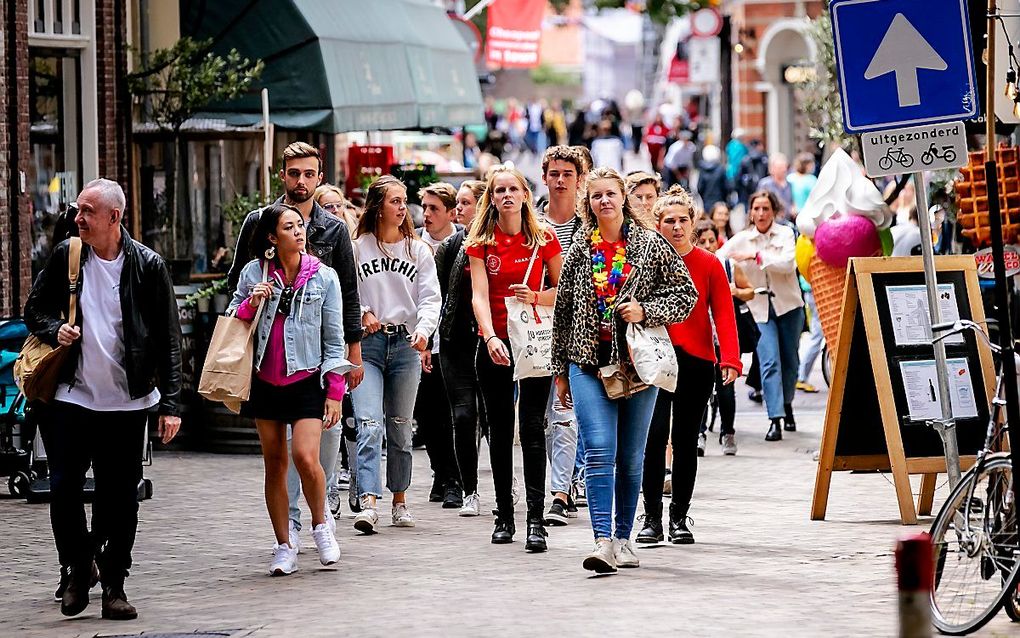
270	252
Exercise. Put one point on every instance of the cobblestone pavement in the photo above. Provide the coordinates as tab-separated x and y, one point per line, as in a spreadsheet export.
760	566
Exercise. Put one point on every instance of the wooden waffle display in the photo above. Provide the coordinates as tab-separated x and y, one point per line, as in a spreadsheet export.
972	197
827	284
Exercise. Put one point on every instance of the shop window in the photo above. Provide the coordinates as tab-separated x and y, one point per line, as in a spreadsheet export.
54	175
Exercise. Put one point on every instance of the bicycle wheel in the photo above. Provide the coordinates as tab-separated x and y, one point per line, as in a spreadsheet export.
976	549
1012	605
826	366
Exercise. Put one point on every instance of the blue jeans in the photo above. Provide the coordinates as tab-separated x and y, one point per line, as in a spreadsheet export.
386	396
778	354
560	443
815	341
614	435
329	448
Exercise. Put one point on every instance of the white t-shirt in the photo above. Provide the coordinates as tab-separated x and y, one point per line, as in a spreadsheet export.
434	243
100	381
398	288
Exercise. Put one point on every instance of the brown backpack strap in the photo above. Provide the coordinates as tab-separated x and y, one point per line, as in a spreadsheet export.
73	270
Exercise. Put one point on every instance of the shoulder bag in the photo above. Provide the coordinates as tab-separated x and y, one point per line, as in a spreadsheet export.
37	369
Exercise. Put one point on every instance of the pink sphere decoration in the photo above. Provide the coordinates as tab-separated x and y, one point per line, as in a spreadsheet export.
840	238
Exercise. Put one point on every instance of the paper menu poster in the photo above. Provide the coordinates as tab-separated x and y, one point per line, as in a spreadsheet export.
922	390
908	309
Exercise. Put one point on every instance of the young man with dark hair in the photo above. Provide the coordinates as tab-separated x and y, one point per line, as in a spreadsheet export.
563	170
328	239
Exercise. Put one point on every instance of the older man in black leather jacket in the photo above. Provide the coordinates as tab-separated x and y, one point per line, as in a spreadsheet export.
125	359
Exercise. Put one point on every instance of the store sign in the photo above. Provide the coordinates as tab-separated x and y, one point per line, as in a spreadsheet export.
985	269
514	32
918	148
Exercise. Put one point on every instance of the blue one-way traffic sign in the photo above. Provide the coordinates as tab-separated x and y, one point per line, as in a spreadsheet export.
903	62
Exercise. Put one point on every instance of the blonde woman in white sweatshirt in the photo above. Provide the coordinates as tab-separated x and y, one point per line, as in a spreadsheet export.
400	303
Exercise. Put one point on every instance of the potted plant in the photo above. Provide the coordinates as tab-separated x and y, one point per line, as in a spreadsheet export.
213	294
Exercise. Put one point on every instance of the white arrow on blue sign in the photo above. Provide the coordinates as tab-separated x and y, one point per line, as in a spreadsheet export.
903	62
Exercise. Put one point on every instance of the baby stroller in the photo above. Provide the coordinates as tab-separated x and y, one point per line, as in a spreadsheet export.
15	462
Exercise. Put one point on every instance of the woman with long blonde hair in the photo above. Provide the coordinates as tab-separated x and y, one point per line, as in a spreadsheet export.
505	237
400	310
618	271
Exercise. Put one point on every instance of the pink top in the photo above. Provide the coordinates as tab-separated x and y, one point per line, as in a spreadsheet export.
273	369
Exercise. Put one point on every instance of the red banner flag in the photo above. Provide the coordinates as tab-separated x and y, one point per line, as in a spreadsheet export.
513	33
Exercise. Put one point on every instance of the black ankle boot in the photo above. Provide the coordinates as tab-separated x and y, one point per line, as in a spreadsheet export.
789	424
652	530
679	529
536	536
75	597
775	432
503	532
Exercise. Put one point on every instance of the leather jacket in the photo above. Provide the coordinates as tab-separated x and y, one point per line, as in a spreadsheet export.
450	262
152	328
326	238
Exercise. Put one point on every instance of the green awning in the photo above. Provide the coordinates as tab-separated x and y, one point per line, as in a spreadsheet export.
344	65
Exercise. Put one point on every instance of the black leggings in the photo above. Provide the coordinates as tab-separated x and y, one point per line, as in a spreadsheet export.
433	413
726	401
497	386
458	370
693	388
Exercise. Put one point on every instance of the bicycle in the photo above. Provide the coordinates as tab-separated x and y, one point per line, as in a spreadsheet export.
895	154
974	536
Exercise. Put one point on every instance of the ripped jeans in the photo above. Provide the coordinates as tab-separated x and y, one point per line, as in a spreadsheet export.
386	398
560	443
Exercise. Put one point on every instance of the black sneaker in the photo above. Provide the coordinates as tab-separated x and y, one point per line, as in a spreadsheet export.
755	395
571	508
437	492
557	514
503	532
453	498
680	531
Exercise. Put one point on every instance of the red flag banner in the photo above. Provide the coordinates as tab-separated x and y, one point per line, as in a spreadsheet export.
513	33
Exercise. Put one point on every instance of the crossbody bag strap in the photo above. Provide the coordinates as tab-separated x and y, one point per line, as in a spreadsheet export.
531	264
73	273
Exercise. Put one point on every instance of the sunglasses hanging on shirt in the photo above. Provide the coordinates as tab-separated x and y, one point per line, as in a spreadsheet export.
286	301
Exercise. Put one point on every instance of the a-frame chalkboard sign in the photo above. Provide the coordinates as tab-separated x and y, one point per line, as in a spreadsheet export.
882	376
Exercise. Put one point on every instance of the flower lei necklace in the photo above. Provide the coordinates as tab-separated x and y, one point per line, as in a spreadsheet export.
607	284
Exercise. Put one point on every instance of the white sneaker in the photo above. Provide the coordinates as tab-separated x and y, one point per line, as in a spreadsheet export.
284	560
471	506
702	444
367	518
602	559
729	444
333	499
294	538
624	554
330	520
402	517
515	491
325	542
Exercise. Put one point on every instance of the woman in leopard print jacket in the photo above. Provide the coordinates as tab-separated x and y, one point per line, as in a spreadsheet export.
616	272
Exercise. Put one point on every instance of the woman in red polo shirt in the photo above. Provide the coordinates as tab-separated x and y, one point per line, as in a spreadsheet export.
695	353
504	235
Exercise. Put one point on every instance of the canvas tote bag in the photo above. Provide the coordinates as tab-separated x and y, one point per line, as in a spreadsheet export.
37	369
226	374
529	327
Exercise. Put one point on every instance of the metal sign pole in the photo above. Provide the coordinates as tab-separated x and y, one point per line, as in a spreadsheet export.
946	426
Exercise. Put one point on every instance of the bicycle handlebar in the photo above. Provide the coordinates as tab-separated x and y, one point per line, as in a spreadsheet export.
950	328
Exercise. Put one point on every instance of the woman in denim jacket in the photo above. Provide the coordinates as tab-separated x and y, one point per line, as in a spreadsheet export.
299	366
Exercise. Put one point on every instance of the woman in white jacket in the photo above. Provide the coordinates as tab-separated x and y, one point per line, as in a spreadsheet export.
400	303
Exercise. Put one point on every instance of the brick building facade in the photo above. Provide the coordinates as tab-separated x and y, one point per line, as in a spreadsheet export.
769	37
66	121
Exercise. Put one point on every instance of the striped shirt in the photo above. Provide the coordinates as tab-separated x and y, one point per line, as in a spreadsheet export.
564	232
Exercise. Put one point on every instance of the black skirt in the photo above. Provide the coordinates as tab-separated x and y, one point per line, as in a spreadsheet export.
305	399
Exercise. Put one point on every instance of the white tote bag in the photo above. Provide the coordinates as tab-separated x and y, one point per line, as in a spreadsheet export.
651	351
529	327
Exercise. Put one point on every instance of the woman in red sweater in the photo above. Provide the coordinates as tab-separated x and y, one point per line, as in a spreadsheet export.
695	353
